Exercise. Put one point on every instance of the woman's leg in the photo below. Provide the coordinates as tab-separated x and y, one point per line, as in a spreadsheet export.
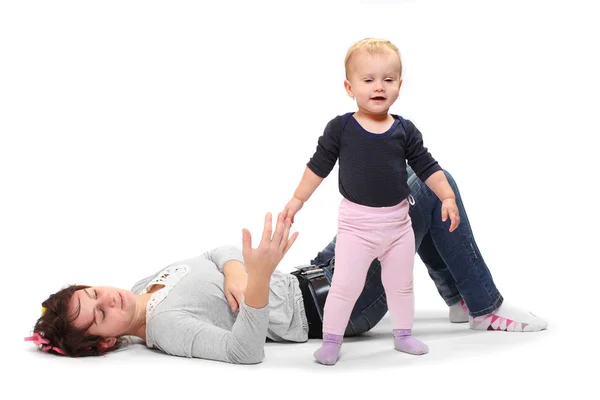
459	252
421	213
326	255
443	279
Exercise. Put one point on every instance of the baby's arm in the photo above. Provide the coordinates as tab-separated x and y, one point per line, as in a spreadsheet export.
429	171
319	166
438	183
308	184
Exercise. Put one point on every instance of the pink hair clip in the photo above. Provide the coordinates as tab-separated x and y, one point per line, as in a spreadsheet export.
39	340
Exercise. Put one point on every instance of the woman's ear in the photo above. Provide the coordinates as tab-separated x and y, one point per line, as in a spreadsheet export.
108	343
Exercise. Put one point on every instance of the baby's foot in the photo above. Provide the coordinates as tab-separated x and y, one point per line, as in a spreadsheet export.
459	312
329	351
406	343
508	319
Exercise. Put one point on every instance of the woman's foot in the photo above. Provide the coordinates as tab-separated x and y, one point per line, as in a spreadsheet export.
459	312
508	319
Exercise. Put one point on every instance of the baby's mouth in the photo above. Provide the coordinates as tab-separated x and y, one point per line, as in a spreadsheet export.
378	98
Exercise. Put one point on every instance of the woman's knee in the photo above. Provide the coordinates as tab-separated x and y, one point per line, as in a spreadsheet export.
325	255
365	319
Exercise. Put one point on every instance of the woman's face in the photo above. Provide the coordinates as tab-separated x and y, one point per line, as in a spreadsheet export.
108	311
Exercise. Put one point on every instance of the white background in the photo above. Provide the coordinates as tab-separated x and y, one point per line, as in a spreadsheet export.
138	133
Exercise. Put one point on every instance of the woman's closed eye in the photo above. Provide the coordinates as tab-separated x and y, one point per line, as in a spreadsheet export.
100	310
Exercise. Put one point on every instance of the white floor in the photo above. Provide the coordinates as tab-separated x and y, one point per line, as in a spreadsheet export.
462	363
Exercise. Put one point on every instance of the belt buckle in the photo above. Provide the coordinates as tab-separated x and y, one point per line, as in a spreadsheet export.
312	271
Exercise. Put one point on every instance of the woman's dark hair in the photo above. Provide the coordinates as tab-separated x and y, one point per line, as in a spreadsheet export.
56	326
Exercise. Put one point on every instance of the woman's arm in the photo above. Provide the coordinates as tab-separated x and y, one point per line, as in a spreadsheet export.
222	255
229	261
262	260
236	282
185	335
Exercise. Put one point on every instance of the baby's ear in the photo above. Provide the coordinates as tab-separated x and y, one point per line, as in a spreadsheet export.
348	88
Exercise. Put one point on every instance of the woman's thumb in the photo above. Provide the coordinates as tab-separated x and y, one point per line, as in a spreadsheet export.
230	300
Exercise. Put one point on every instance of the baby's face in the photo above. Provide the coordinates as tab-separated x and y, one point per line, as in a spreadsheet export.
374	80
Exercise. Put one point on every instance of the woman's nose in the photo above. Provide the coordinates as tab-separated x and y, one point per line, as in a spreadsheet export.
107	300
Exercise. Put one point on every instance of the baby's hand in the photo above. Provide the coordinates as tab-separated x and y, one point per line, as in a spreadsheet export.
449	208
292	207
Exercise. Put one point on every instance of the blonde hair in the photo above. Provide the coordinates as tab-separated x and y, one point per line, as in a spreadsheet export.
372	46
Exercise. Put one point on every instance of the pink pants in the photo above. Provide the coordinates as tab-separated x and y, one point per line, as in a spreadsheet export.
366	233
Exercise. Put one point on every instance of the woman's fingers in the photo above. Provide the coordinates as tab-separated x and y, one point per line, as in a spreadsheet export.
279	228
279	240
290	242
246	240
231	300
286	234
268	229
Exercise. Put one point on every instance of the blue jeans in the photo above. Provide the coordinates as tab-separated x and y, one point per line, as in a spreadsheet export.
453	260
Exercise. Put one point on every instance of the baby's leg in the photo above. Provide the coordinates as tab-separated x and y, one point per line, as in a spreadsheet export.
397	278
353	258
355	249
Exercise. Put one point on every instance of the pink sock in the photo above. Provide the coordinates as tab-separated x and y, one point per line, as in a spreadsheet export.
329	351
406	343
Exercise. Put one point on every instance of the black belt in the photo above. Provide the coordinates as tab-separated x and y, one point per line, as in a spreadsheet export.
315	287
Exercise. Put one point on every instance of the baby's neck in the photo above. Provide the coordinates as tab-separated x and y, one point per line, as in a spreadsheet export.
383	117
375	123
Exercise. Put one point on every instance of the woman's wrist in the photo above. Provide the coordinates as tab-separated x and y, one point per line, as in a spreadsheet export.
257	291
233	267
